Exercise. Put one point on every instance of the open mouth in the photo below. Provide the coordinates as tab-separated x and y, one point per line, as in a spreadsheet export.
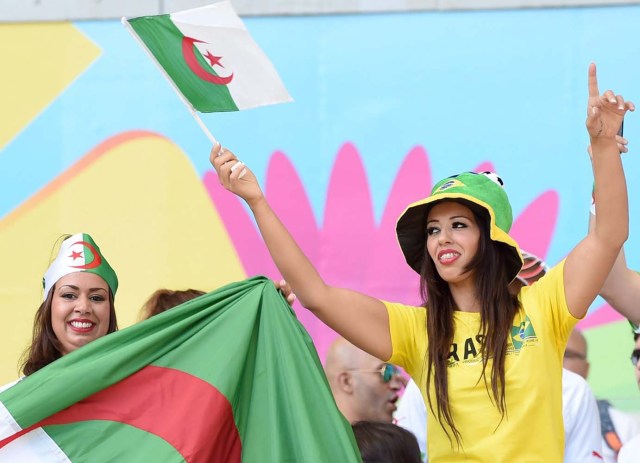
81	326
447	257
392	402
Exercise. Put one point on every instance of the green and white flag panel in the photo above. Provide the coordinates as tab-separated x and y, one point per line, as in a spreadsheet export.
210	57
230	376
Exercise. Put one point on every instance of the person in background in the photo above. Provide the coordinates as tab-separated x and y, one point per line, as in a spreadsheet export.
630	451
364	387
381	442
618	428
164	299
621	290
575	354
583	442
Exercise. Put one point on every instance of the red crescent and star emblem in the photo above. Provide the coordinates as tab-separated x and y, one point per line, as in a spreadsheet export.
97	260
189	55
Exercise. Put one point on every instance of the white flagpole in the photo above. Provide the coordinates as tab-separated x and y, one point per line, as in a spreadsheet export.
204	128
191	109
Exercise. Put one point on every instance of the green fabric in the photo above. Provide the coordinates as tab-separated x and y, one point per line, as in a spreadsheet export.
164	41
104	270
481	188
245	340
132	444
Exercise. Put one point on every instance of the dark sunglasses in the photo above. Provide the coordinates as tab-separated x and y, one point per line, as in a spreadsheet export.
635	356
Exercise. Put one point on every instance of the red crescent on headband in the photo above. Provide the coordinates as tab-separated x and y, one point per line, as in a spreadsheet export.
97	260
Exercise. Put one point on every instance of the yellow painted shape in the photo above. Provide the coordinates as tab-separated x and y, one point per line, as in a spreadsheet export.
148	210
38	62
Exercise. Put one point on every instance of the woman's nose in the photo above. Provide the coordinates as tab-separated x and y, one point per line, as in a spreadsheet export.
83	305
444	236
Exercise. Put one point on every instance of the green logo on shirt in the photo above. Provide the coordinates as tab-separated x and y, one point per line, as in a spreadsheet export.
522	334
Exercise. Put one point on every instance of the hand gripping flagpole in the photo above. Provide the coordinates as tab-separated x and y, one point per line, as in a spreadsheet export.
191	109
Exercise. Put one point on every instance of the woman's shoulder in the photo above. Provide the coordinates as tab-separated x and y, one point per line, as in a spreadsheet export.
551	281
402	306
403	313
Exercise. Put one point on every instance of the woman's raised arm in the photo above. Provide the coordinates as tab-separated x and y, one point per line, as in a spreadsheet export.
361	319
589	263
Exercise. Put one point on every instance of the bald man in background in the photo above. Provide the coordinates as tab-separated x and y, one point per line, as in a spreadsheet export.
575	354
365	388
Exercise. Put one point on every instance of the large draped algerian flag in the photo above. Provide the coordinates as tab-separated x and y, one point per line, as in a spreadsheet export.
228	377
210	57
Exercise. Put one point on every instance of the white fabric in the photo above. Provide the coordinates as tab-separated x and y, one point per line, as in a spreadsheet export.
579	411
411	415
630	452
626	427
34	447
66	262
582	436
255	81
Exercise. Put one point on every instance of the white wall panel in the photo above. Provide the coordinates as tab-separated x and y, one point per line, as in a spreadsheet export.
61	10
65	10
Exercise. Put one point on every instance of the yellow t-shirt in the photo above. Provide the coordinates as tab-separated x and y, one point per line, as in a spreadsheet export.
532	428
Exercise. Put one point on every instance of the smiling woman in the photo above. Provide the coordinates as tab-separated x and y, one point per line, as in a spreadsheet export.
80	310
79	287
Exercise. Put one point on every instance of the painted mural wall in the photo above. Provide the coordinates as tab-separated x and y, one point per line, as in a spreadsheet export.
92	138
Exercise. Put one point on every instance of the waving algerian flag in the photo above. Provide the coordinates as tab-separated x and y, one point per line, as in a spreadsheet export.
210	57
228	377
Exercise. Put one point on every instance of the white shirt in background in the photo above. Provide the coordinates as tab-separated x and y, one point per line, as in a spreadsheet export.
630	452
627	428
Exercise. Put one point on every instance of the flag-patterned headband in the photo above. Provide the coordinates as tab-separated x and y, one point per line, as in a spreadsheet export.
79	253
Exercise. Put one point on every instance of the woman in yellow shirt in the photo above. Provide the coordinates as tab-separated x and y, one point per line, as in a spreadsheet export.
488	363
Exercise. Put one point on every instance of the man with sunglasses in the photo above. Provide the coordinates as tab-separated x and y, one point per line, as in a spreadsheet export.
630	452
364	387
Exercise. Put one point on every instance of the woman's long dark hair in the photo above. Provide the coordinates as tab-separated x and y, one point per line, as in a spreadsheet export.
497	310
45	346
